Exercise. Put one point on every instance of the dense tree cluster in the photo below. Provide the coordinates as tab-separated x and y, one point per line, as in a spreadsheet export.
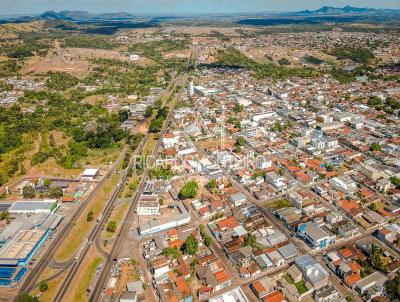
61	81
191	245
393	288
158	122
233	58
161	172
89	41
189	190
360	55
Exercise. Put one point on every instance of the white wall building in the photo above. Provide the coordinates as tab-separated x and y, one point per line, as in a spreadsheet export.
148	205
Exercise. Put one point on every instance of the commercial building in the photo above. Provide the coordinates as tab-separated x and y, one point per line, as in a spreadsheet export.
154	226
90	174
237	199
148	205
33	206
315	236
235	294
20	241
372	285
312	271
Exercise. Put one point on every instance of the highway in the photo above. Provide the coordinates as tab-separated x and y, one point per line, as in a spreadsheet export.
119	243
32	279
97	229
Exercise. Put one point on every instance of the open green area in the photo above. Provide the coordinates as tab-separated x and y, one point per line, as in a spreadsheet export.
122	77
80	294
233	58
28	47
278	204
89	41
88	126
161	172
158	122
360	55
155	50
59	107
301	287
72	243
9	68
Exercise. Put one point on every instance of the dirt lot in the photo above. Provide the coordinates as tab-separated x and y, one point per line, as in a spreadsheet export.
215	142
128	274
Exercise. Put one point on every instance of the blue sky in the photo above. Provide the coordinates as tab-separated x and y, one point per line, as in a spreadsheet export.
180	6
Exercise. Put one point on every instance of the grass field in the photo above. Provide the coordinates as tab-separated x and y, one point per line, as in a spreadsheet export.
54	284
278	204
117	215
150	144
75	238
85	274
301	288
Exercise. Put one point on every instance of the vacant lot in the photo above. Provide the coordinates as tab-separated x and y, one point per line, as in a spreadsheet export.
278	204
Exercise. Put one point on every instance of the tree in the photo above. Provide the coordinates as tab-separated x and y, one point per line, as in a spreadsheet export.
393	288
47	182
207	240
237	149
238	108
284	61
376	258
372	206
238	125
240	141
123	115
43	286
374	101
28	192
89	216
330	167
4	215
395	181
189	190
212	184
250	240
191	245
111	226
52	142
56	192
27	298
174	252
375	147
149	111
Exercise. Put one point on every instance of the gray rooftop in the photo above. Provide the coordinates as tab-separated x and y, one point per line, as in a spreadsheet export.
288	251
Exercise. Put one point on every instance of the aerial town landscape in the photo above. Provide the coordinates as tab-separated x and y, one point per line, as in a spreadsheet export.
222	158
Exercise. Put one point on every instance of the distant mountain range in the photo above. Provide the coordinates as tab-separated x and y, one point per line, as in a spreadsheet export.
70	16
83	16
330	10
87	16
